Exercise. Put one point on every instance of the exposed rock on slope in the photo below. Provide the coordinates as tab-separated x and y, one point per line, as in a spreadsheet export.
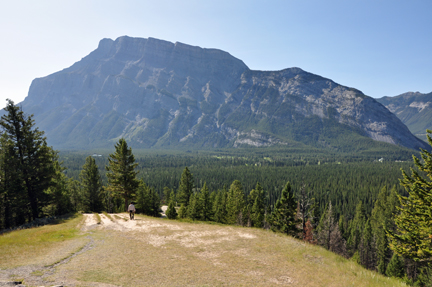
413	109
159	94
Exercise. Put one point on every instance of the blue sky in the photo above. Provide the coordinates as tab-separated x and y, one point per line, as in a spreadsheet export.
383	48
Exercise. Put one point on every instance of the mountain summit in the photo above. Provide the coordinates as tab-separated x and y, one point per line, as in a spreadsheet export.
159	94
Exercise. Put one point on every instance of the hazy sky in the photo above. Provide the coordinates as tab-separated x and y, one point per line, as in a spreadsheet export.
383	48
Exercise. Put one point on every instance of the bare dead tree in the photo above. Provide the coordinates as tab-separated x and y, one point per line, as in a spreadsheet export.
305	208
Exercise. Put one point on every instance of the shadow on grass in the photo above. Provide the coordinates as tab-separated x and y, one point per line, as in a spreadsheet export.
52	220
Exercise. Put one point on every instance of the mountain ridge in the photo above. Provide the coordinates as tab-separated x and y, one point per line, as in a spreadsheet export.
414	109
159	94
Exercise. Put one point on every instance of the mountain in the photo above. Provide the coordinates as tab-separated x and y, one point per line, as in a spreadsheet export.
413	109
159	94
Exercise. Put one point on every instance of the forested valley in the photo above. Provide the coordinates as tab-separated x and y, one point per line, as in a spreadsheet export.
356	206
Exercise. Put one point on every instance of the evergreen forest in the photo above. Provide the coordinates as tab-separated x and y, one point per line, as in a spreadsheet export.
375	208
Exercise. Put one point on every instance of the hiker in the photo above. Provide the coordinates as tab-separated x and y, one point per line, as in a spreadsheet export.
131	210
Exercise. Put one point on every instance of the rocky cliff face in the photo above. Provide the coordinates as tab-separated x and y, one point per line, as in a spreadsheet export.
413	109
165	95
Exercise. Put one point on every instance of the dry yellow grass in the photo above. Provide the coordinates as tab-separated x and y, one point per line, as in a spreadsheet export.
160	252
43	245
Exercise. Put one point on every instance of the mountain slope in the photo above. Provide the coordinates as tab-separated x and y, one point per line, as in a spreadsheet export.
159	94
413	109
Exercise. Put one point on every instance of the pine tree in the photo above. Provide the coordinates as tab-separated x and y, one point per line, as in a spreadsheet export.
91	183
414	222
185	187
122	181
30	157
283	217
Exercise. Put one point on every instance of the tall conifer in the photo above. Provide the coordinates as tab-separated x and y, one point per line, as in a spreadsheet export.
205	203
30	157
122	181
283	217
91	183
413	238
185	187
235	203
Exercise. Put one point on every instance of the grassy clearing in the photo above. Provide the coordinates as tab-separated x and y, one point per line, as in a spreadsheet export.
151	252
162	252
41	245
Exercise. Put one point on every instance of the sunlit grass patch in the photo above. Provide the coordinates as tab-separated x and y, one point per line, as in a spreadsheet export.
30	245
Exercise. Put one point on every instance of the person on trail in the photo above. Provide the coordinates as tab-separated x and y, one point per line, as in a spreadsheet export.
131	210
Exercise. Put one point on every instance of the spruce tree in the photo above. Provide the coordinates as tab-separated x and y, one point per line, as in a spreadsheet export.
183	211
356	229
205	204
366	251
258	207
59	193
283	217
382	219
414	222
193	208
91	183
185	187
235	203
143	199
122	181
155	203
220	207
148	201
166	194
30	157
13	198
